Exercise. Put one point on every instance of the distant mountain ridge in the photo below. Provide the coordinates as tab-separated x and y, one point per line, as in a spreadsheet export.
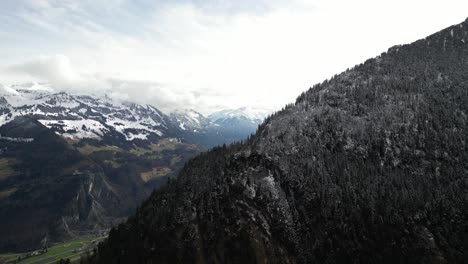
254	115
240	119
79	116
225	126
101	117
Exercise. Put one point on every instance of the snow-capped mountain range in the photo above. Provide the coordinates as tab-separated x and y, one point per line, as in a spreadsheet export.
102	117
79	116
190	119
253	115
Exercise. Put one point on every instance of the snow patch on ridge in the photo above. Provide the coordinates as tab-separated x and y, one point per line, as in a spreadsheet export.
254	115
77	116
77	129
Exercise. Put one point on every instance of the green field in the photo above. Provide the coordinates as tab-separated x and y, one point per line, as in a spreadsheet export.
7	258
55	253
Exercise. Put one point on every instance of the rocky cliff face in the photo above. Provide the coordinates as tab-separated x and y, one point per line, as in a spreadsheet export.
367	167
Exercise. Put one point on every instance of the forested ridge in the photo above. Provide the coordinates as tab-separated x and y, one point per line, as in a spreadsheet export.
370	166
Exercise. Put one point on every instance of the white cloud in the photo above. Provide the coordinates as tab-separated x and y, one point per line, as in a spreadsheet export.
207	54
56	70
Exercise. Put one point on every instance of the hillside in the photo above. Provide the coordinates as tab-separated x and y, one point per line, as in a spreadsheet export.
367	167
74	165
61	188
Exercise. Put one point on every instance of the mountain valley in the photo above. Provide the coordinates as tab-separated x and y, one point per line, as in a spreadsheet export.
74	165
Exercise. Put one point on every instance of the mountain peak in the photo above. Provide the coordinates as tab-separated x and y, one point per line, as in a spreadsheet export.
253	114
78	116
189	119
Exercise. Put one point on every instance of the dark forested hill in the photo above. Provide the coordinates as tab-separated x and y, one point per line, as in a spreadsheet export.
370	166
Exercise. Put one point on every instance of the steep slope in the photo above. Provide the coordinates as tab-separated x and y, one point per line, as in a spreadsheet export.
72	165
197	128
80	116
368	167
190	120
39	197
52	187
122	151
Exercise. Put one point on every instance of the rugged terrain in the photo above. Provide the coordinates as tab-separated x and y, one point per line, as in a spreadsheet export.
222	127
367	167
74	165
113	121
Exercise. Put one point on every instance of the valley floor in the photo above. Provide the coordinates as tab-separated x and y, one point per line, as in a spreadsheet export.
72	250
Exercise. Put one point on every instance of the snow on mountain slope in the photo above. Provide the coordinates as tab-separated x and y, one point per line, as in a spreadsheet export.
77	129
101	117
78	116
222	127
253	115
190	120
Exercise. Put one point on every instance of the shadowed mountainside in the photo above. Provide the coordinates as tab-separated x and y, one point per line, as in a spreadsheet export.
368	167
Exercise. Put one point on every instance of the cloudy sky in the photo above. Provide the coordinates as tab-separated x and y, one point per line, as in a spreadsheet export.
205	54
